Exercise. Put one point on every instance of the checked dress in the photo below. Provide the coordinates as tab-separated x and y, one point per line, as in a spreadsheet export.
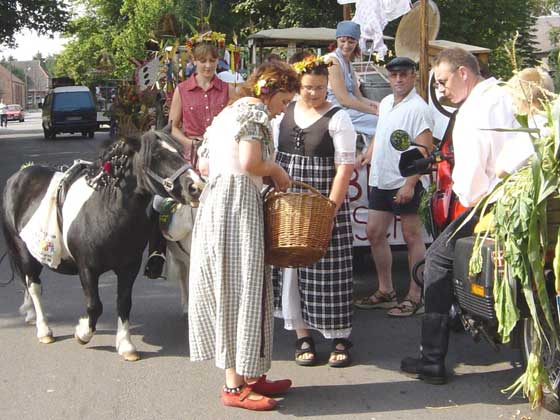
231	295
325	288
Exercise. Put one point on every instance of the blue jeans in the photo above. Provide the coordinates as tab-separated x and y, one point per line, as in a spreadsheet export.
438	268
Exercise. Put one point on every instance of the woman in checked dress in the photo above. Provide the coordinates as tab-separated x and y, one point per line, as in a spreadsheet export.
231	297
316	145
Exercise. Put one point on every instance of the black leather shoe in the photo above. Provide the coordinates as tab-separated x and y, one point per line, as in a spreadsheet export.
430	366
432	373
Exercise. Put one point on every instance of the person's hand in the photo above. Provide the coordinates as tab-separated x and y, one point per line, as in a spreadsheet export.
361	160
280	178
404	194
375	107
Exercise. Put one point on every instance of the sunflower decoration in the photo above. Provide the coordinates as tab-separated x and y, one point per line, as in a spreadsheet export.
310	62
217	38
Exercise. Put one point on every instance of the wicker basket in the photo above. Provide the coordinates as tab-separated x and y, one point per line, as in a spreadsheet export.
298	226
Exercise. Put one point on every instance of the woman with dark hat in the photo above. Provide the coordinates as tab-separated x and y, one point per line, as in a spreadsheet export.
343	82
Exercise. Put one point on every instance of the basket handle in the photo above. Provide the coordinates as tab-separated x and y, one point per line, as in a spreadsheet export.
269	190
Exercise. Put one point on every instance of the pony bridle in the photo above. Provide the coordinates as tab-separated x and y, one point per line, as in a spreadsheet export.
168	183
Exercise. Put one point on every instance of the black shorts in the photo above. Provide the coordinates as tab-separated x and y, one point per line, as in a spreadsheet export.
384	200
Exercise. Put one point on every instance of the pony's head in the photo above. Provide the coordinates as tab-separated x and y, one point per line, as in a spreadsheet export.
163	170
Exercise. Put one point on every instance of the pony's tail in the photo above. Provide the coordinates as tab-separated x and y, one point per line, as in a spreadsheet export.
7	219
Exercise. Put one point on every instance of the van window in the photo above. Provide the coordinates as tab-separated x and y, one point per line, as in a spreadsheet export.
70	101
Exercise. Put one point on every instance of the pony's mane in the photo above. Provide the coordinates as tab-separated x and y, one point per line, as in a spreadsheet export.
113	163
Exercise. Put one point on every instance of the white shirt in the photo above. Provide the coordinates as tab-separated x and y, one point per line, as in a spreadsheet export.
412	115
476	145
519	149
340	129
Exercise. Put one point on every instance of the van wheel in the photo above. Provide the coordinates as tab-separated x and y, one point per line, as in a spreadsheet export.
91	134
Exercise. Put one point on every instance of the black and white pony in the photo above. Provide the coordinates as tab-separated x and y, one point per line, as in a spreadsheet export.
104	224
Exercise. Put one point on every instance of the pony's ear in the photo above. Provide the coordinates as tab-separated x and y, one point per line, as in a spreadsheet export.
134	142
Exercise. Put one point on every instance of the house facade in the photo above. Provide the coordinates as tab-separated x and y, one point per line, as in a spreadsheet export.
12	88
38	81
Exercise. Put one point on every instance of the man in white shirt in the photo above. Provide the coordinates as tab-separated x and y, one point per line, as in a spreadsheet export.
402	115
484	107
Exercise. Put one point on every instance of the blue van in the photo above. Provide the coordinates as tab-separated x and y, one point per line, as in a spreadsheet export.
69	109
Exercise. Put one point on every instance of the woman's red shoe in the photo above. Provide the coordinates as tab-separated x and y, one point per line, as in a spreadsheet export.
271	388
241	399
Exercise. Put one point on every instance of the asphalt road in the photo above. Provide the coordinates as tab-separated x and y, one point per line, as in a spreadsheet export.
64	380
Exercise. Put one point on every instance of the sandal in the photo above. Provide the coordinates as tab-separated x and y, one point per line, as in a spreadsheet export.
309	349
378	300
406	308
337	363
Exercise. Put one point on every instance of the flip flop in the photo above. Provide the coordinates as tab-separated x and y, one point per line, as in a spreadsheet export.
406	308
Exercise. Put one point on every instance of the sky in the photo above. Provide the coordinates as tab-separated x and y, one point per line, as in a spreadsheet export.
29	43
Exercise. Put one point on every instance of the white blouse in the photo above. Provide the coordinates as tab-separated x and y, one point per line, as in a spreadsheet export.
340	129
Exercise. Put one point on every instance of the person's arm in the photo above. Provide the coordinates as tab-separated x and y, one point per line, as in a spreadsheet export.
364	158
234	92
176	120
336	79
358	94
340	184
250	160
406	192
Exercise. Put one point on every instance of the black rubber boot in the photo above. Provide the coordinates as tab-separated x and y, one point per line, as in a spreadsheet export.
430	366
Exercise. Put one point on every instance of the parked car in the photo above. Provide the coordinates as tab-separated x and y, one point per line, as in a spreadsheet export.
15	112
69	109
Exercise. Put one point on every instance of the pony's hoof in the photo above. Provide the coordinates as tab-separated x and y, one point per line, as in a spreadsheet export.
47	339
131	356
79	340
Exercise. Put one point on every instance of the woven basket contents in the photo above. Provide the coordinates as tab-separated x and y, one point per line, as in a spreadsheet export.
298	226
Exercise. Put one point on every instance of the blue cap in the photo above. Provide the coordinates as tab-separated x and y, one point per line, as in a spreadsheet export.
348	28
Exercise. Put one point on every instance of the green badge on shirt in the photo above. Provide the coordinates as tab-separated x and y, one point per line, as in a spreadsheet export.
400	140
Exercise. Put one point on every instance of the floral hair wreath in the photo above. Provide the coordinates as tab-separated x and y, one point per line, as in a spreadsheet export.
266	86
311	62
217	38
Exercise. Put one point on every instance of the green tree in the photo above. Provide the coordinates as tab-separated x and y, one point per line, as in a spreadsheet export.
266	14
43	16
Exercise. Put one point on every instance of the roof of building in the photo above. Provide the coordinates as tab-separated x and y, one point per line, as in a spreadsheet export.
310	36
543	26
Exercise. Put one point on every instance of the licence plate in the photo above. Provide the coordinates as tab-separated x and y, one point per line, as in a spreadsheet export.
76	118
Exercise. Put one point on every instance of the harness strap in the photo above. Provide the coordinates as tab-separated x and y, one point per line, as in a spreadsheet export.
70	175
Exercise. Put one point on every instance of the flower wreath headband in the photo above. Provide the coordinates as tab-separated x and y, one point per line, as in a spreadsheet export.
265	86
216	38
311	62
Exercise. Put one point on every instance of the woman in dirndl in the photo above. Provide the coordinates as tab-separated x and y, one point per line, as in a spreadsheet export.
316	145
231	296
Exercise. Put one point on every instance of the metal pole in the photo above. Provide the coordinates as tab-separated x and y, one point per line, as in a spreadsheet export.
424	71
25	94
346	12
12	80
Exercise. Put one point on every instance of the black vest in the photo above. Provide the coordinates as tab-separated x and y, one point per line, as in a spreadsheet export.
314	140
